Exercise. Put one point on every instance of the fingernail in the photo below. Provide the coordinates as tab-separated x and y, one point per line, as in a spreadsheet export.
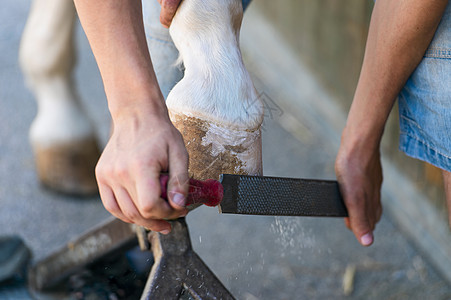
178	199
366	239
165	231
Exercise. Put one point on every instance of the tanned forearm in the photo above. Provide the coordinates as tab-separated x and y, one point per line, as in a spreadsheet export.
143	143
399	35
400	32
116	34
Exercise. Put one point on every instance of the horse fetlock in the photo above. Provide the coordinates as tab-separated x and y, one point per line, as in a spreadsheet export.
216	85
215	106
61	117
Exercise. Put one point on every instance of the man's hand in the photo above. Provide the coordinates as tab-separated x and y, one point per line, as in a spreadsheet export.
359	174
399	34
129	169
144	142
168	9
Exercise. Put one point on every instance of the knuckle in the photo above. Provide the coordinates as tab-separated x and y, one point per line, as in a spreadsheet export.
100	171
143	168
131	215
121	170
111	207
147	209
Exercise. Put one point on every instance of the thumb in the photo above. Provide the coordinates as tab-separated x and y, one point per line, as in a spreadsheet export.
178	183
367	239
361	228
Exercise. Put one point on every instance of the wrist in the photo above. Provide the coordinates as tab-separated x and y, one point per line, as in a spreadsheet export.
361	137
366	120
358	147
125	105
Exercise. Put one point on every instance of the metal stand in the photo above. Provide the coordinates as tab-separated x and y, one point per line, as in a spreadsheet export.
177	267
109	237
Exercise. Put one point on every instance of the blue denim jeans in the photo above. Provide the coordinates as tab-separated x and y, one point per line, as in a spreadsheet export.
425	102
162	50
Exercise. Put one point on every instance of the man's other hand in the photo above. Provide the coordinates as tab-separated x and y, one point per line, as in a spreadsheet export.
359	174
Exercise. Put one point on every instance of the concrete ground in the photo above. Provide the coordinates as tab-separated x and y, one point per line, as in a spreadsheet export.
255	257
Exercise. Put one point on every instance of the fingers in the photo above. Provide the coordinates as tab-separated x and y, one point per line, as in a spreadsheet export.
110	203
364	212
150	204
168	9
362	228
125	210
359	173
140	202
128	173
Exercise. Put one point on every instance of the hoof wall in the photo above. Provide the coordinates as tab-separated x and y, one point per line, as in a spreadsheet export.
216	149
69	168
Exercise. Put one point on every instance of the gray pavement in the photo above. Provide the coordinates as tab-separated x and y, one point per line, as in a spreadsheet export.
255	257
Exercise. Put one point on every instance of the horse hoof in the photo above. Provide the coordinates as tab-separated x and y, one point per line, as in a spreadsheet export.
215	149
69	168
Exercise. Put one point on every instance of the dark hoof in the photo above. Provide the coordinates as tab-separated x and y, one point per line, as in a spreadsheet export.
69	168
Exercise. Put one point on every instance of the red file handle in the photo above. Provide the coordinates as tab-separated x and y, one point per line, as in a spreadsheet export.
208	192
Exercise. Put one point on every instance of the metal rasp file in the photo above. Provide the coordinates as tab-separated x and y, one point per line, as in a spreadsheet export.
279	196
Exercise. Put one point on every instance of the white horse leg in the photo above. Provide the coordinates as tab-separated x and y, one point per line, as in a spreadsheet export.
215	106
62	136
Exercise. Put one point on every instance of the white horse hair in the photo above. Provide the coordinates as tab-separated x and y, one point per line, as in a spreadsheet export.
216	101
216	86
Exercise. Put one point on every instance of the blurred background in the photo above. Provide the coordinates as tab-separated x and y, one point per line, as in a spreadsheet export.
305	58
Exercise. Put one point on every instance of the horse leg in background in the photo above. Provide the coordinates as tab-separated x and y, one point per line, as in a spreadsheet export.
215	105
61	135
